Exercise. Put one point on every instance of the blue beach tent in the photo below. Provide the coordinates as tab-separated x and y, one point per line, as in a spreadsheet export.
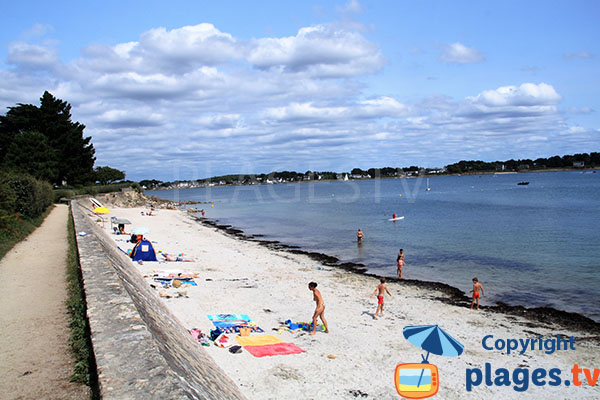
143	251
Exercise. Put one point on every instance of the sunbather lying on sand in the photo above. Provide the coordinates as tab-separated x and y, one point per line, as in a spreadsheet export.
180	275
172	258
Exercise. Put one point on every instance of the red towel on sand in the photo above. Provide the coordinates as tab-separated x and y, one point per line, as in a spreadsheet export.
277	349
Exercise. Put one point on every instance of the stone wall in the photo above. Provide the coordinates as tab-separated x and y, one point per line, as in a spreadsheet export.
142	351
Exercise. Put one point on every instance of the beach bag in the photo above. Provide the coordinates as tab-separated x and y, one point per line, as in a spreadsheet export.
245	331
235	349
215	333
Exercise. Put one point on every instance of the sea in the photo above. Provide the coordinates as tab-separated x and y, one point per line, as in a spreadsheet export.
531	245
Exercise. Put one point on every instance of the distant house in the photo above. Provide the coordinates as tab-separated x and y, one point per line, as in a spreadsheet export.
523	166
578	164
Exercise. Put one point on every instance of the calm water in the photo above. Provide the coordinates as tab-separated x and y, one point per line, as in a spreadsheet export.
532	245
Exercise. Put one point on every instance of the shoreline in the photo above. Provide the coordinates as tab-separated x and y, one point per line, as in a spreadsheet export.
452	295
237	274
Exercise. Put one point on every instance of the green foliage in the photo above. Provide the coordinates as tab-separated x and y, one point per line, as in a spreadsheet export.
150	183
23	195
76	305
69	192
31	153
24	202
566	161
106	175
64	155
64	193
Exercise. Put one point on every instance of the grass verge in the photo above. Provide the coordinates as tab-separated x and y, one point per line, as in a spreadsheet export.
81	344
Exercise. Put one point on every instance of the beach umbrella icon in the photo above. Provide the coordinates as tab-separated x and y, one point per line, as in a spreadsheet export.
140	230
432	339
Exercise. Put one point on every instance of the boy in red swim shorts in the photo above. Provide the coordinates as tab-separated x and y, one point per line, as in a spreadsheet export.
380	290
477	288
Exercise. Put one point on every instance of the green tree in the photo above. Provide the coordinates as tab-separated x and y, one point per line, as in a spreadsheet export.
30	152
19	119
151	183
76	153
73	153
106	175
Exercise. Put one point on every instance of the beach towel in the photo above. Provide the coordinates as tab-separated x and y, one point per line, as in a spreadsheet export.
228	317
258	340
277	349
232	323
305	326
226	324
236	329
169	281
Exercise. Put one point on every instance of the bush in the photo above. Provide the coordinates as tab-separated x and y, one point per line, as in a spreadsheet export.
66	193
72	191
24	195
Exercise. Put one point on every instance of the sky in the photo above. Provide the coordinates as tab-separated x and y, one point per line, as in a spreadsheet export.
191	89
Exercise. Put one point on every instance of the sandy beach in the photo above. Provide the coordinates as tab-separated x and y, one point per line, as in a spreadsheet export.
359	355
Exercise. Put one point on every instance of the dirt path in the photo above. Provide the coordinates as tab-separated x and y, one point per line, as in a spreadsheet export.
35	358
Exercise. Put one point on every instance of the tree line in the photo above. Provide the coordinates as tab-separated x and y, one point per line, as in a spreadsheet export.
44	143
586	160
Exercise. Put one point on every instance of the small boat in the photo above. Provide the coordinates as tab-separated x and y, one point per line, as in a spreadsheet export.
523	183
427	188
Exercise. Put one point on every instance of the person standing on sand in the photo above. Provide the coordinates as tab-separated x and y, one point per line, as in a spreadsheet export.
359	235
320	308
400	263
476	295
382	288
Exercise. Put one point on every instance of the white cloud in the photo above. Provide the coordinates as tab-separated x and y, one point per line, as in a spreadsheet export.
190	46
175	51
528	94
460	54
38	30
581	110
582	55
352	6
205	101
576	129
320	51
32	56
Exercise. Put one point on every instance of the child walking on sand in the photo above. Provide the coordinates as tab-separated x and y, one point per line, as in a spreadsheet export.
477	288
319	309
380	290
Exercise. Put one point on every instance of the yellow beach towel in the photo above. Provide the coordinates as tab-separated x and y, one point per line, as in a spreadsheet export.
257	340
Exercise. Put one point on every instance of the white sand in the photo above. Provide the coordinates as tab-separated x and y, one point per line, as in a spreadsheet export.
243	277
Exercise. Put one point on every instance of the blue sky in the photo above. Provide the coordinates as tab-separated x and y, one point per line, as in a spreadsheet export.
190	89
